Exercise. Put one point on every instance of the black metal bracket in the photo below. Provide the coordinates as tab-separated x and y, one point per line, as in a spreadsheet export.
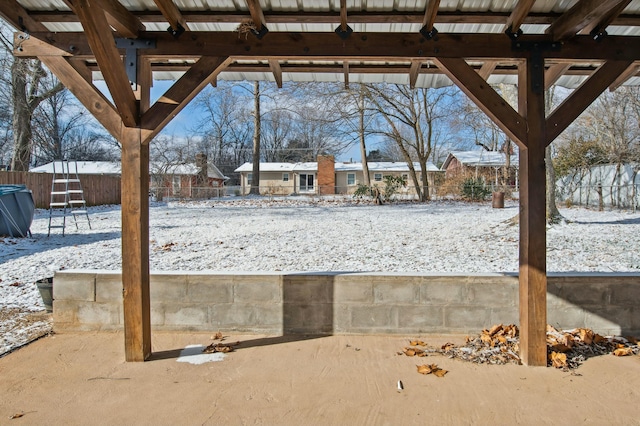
344	34
532	46
131	47
513	36
259	34
177	32
431	34
598	34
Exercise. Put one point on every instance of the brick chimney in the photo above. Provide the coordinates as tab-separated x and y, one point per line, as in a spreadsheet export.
326	175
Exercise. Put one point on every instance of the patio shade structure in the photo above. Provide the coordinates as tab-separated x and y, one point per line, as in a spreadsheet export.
589	45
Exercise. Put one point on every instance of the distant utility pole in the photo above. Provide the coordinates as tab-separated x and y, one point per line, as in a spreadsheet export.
255	175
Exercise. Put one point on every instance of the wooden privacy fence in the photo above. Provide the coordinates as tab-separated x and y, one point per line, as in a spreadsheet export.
98	189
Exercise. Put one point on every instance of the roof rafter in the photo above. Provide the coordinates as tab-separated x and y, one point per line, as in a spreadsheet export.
414	71
597	26
626	75
96	27
17	16
256	14
430	14
277	71
487	69
124	22
518	16
554	72
581	15
173	16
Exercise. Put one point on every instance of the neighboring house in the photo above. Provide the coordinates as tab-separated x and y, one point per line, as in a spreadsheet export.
327	176
487	164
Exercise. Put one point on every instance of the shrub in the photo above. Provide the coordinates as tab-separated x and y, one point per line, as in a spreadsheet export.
474	189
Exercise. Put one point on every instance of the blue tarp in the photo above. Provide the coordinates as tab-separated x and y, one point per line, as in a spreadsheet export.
16	210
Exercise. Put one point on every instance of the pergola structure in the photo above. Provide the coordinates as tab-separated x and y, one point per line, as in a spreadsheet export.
591	45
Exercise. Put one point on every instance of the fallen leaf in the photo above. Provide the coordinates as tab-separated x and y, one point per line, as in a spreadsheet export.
440	373
448	346
217	336
16	416
495	329
424	369
417	343
409	352
558	360
623	351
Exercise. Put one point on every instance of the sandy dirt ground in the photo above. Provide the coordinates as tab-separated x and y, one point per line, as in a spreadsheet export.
81	379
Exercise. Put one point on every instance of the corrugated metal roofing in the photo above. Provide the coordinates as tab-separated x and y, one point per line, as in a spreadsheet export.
332	7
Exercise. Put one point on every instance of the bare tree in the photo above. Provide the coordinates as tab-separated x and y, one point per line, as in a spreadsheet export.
28	89
414	120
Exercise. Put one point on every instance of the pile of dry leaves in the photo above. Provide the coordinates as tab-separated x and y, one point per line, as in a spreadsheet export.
500	345
219	346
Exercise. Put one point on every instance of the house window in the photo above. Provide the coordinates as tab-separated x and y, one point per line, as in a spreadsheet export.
351	178
285	177
306	183
249	178
377	177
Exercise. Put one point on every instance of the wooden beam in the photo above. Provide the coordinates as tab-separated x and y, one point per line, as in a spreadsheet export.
430	13
343	15
483	95
17	16
256	13
581	15
554	72
607	18
101	41
83	70
179	95
345	70
626	75
374	47
518	16
173	15
277	72
582	97
24	44
533	241
86	93
135	245
145	82
124	22
414	71
487	69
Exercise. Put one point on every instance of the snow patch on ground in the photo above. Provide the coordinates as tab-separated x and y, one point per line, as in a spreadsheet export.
312	234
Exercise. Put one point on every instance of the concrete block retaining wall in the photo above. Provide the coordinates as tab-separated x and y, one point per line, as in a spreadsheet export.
344	303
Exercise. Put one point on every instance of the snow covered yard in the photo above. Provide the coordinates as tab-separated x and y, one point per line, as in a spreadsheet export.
306	234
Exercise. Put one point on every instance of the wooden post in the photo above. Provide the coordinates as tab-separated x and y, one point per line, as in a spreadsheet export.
533	240
135	245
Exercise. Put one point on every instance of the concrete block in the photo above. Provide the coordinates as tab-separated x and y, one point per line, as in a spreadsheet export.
341	318
626	294
505	315
580	293
246	316
265	291
157	314
492	293
443	292
608	319
420	318
396	292
108	288
314	318
188	315
566	318
307	288
374	316
168	287
346	291
464	318
74	286
64	311
209	289
101	314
